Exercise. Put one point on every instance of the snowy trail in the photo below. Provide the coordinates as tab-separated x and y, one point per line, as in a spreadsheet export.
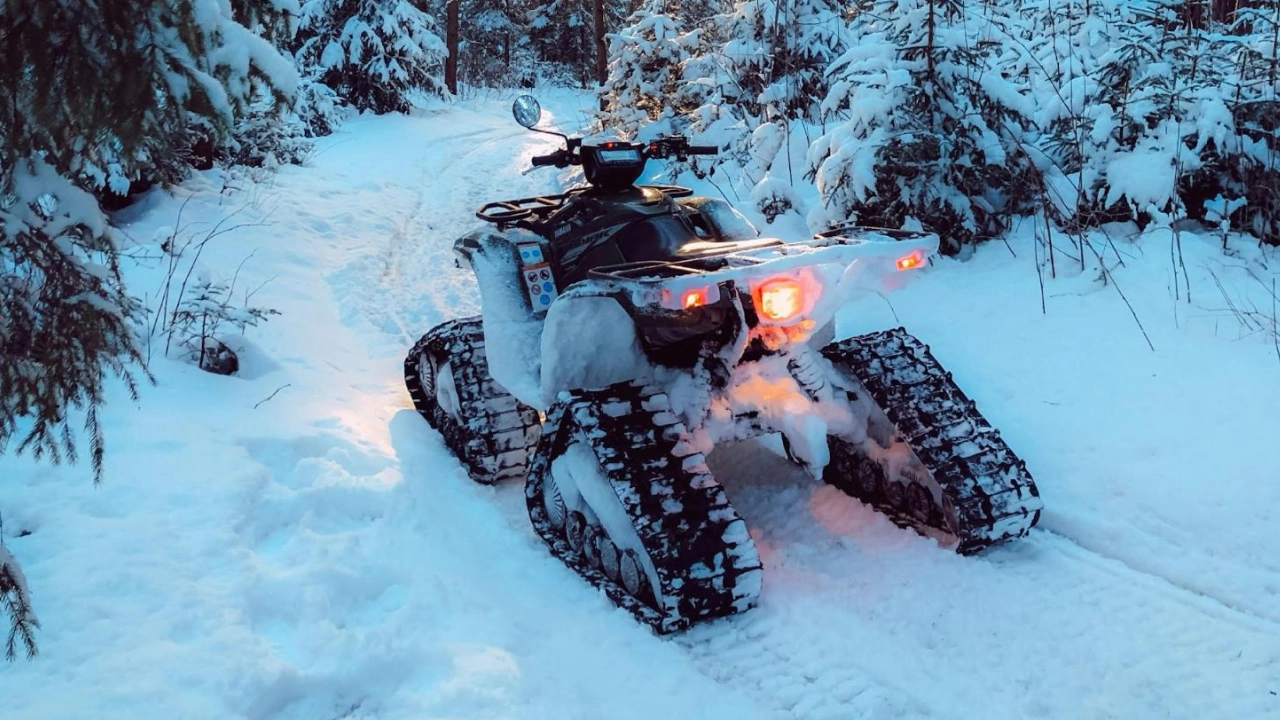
902	654
1040	629
320	554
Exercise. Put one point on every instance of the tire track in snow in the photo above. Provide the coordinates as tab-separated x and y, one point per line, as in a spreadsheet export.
1206	601
410	283
872	619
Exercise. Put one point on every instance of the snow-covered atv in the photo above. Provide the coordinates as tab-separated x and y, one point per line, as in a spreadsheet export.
627	330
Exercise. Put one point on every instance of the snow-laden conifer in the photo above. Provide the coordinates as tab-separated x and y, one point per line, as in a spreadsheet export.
375	54
924	127
490	42
779	51
560	32
112	93
647	62
1250	158
15	600
95	97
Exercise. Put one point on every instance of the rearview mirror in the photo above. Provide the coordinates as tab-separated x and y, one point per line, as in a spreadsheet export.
526	110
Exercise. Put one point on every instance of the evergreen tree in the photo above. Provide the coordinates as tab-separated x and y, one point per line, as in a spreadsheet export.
560	31
16	601
489	42
562	35
95	96
1126	137
375	54
111	93
646	67
930	129
1249	165
778	52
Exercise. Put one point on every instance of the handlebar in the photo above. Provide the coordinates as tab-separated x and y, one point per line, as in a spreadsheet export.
664	147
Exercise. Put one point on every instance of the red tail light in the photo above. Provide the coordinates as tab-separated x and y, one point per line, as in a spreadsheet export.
780	299
694	298
911	261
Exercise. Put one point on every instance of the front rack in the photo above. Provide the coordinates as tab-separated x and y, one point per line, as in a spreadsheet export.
504	212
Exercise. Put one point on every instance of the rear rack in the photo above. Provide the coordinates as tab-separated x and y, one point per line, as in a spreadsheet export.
702	263
504	212
736	256
865	230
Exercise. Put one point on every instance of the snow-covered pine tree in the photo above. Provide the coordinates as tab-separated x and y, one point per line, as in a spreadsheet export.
113	93
1139	111
1067	43
272	131
560	32
562	35
157	69
647	59
490	35
318	109
927	128
778	52
1250	162
96	96
375	54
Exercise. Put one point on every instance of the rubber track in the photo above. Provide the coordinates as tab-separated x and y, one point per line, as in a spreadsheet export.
991	496
498	432
705	559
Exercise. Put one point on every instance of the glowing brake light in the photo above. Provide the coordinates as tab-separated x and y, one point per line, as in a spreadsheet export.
780	299
911	261
694	298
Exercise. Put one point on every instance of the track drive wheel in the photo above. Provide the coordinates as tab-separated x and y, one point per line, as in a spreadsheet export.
646	522
447	375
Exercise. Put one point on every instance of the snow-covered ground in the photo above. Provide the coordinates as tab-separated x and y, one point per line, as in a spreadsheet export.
297	543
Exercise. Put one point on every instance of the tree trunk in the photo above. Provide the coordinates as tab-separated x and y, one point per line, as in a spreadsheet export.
602	65
451	40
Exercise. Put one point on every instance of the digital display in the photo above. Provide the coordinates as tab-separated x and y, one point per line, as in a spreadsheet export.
619	157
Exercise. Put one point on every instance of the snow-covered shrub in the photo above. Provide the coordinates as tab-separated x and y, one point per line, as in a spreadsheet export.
1138	110
925	127
318	109
1250	159
201	320
268	137
375	54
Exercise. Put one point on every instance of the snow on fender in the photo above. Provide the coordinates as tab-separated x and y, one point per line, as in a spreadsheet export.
588	341
885	264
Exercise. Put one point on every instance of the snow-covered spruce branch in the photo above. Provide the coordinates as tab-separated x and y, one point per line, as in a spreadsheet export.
66	320
15	598
374	54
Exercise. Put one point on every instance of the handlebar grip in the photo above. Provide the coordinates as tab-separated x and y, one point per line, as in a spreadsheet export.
544	160
702	150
